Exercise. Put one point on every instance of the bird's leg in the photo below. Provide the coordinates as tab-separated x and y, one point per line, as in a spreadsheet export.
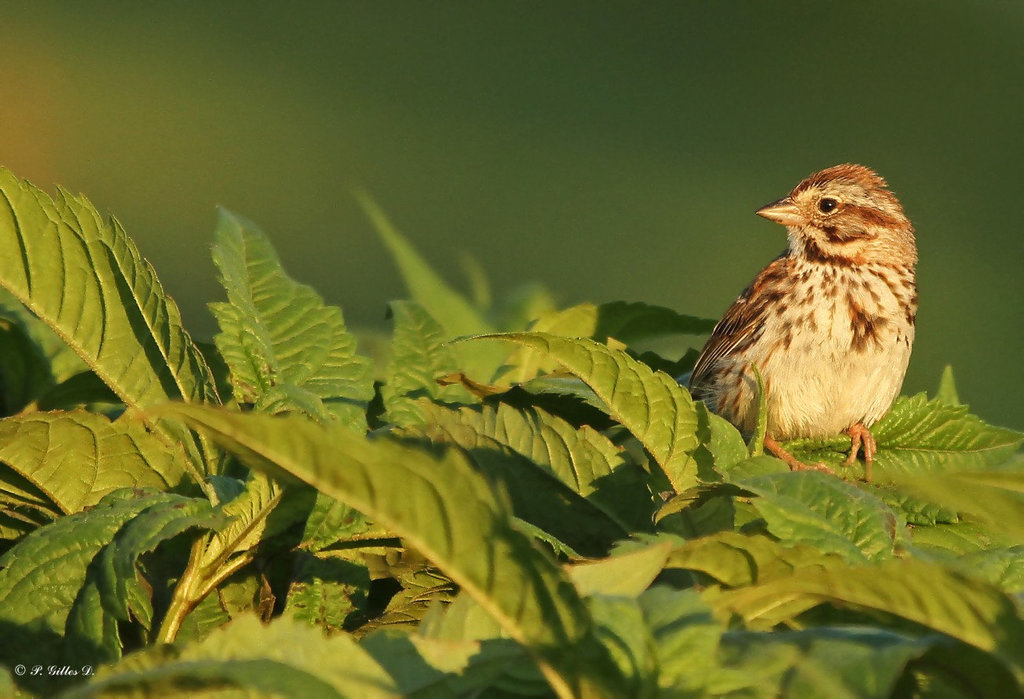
794	463
861	439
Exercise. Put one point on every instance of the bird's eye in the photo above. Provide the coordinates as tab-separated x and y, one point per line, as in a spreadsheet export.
827	205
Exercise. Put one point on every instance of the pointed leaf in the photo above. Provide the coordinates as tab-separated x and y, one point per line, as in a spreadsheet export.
524	304
623	575
24	372
330	521
284	658
971	611
686	637
43	574
61	360
418	358
249	513
721	445
442	508
995	498
624	631
657	410
825	512
112	591
628	323
947	393
584	460
922	436
737	560
85	279
430	667
632	322
846	663
77	457
324	591
451	309
277	333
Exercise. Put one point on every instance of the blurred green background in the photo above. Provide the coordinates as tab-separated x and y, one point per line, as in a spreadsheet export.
608	150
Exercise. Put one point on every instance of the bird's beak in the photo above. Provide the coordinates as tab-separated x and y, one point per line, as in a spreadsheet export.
783	211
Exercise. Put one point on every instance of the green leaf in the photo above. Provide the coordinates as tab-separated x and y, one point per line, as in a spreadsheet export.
628	323
995	498
964	537
826	661
61	360
44	573
971	611
737	560
431	667
285	349
24	372
479	284
947	393
84	389
418	358
721	445
249	513
330	521
686	637
85	279
622	575
524	304
584	460
456	315
825	512
914	509
77	457
443	509
624	632
324	591
112	591
921	436
757	440
285	658
697	657
1002	567
424	590
632	322
651	405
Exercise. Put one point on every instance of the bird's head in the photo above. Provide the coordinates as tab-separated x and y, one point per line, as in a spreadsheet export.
846	215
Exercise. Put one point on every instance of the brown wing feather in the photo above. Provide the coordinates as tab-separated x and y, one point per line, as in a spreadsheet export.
743	323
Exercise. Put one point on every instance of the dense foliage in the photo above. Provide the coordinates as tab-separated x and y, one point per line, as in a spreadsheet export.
502	498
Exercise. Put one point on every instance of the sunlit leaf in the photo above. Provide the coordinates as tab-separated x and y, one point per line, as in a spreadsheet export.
995	498
418	358
657	410
583	460
825	512
46	448
947	393
921	436
971	611
284	658
444	509
52	577
284	347
456	315
627	323
85	279
622	575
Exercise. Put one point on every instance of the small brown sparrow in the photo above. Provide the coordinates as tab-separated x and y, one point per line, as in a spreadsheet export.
829	323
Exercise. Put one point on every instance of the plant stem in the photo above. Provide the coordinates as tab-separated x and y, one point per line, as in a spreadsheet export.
183	600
